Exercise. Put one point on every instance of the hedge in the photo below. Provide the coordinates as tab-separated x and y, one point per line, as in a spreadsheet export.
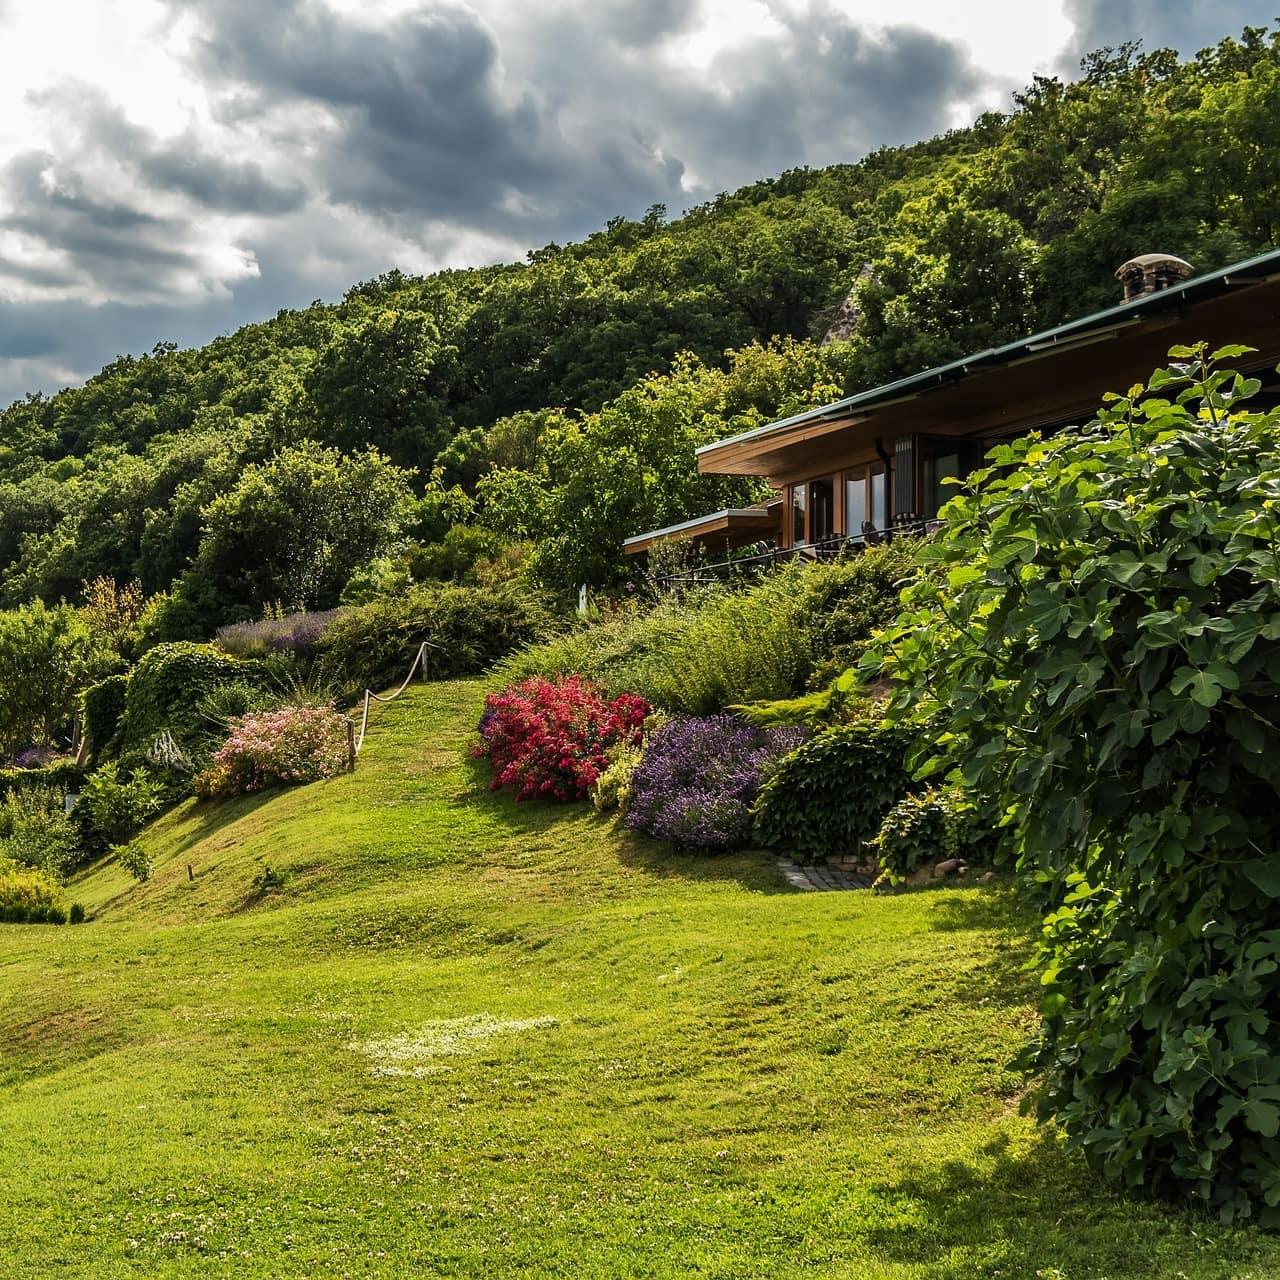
103	707
62	777
167	686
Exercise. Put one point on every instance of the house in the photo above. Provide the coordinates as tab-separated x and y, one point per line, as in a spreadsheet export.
876	461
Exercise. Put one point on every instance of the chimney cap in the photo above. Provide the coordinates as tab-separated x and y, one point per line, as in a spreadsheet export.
1144	261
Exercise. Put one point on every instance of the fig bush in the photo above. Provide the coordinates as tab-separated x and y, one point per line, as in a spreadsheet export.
1100	660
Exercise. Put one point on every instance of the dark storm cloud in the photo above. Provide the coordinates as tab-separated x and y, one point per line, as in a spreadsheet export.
421	122
1184	25
565	124
24	335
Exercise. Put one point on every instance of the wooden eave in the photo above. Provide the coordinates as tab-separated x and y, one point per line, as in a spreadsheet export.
720	529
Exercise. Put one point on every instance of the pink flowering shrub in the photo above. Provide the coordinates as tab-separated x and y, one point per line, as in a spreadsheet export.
550	739
273	748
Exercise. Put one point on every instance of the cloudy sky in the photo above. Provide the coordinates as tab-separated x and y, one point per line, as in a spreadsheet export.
170	169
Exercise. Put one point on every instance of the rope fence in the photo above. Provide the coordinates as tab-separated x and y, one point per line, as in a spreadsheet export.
356	740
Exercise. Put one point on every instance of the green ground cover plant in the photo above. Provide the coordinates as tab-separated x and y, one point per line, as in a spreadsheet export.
395	1024
936	823
831	794
1101	669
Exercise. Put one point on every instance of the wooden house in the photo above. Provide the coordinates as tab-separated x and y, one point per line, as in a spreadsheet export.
875	462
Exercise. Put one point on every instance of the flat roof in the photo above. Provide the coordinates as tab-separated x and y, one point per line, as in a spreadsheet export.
687	526
1251	270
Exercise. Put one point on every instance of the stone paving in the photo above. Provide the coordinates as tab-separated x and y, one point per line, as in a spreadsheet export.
820	879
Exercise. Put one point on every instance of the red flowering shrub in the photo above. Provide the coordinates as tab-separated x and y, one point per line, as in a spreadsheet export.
269	748
550	739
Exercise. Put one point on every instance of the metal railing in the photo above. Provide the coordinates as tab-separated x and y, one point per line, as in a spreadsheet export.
841	545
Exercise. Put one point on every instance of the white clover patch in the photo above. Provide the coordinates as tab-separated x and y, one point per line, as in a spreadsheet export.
410	1053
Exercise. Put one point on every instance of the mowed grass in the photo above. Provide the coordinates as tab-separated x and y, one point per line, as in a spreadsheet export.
453	1036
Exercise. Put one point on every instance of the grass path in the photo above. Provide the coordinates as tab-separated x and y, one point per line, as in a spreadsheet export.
451	1036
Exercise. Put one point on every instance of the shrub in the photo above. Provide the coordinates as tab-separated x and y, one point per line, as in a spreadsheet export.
76	914
938	822
613	789
298	634
551	739
63	776
845	603
112	808
1100	658
103	707
168	685
134	859
28	895
834	791
713	649
36	832
288	746
699	777
46	658
468	629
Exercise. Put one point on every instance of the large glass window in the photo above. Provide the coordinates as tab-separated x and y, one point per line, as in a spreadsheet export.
855	505
879	500
797	515
822	510
940	467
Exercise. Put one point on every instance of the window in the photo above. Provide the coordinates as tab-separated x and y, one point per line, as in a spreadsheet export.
936	469
879	500
822	510
866	500
797	514
855	504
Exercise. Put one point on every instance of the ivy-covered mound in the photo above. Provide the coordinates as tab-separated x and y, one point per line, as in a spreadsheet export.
1105	661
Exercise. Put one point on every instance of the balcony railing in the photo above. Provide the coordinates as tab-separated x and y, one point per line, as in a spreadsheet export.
834	548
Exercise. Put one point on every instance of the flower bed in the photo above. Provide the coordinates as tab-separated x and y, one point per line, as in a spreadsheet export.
551	739
699	778
271	748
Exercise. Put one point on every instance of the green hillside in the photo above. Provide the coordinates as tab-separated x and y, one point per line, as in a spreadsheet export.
501	388
452	1036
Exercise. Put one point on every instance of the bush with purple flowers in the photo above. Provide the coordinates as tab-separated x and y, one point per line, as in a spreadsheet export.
699	777
296	633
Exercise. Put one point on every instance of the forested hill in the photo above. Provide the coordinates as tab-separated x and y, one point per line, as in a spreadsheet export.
519	396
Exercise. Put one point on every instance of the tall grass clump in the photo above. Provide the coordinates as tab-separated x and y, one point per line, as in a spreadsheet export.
719	647
608	653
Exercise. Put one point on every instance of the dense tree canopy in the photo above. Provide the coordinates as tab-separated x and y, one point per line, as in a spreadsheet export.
531	386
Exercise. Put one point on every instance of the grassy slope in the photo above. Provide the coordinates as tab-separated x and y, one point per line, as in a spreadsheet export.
664	1067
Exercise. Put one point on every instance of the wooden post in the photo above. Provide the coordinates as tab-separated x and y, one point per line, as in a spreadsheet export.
351	745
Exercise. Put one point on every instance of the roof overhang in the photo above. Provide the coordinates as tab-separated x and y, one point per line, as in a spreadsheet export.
732	527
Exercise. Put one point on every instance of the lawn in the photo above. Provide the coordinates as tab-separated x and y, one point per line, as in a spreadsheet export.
394	1025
